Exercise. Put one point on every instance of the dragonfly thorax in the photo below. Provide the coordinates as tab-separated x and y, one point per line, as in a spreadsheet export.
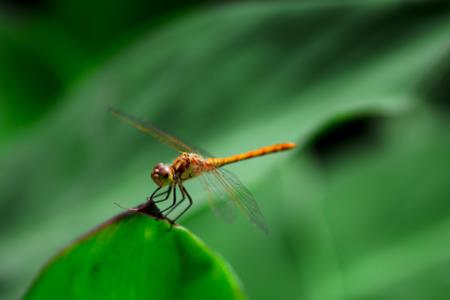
188	165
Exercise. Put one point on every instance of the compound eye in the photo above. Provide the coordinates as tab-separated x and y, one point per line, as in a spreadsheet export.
164	171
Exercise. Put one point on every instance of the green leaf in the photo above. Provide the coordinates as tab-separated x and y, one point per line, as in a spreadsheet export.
134	256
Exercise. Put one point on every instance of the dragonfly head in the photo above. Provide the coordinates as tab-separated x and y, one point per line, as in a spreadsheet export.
162	174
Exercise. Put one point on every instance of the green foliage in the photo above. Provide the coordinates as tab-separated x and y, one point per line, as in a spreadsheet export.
134	256
357	215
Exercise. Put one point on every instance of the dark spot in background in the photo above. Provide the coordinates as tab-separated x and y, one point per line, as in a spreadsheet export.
13	205
9	209
436	88
95	269
3	285
345	135
23	5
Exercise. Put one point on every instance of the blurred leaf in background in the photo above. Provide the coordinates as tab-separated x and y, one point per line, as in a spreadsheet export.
359	211
46	46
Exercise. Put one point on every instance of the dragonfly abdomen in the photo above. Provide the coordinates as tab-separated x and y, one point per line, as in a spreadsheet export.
218	162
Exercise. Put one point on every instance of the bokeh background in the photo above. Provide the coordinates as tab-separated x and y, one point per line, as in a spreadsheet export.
361	210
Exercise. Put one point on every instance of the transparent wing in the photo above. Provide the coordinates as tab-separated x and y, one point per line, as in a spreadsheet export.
217	199
151	130
226	183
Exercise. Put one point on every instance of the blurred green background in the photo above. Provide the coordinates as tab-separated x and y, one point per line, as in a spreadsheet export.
361	210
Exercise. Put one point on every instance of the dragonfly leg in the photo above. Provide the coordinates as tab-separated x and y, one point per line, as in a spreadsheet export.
153	194
183	191
185	194
177	203
167	193
174	200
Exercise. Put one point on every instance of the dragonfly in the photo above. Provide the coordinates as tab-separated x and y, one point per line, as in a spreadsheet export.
191	163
